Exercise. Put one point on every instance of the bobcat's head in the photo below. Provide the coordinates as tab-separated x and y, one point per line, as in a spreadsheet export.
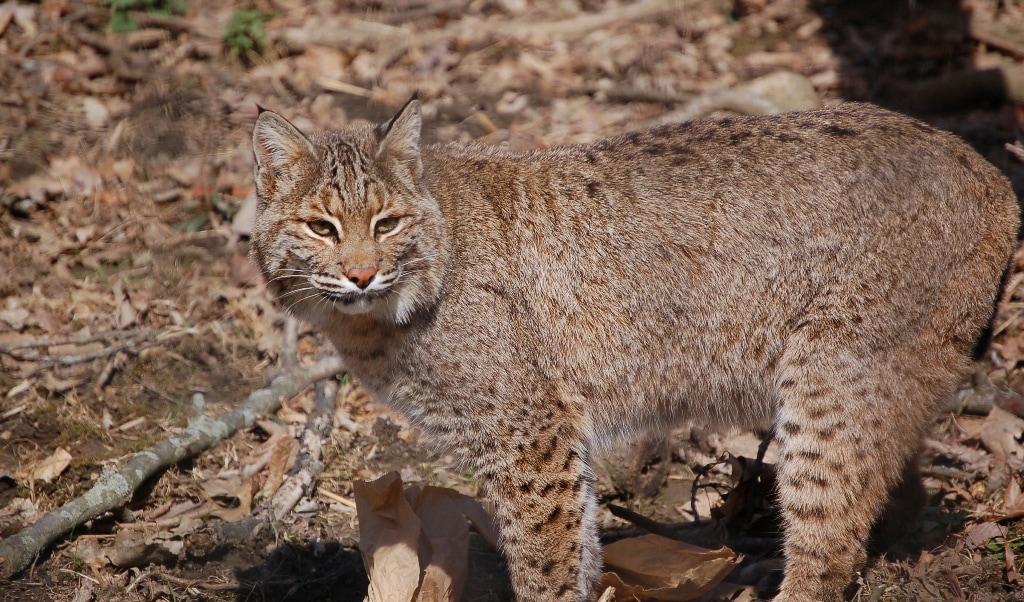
344	223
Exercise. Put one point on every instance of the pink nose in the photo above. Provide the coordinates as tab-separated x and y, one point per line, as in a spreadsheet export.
361	277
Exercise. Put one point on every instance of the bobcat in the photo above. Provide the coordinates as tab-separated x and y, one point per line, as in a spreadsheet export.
827	272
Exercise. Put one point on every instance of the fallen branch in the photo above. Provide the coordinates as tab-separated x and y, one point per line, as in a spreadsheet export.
633	94
310	464
706	533
302	482
113	335
133	345
114	489
979	398
743	102
378	36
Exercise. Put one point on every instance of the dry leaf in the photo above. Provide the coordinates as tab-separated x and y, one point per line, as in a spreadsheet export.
17	513
282	457
1013	501
130	548
15	317
232	494
1010	565
980	534
1000	432
416	543
656	567
389	534
245	217
96	113
447	538
52	467
6	16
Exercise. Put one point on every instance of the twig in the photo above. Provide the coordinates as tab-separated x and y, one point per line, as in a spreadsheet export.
105	336
1016	150
290	342
207	585
145	385
133	345
344	501
634	94
955	91
739	101
172	23
644	522
138	579
114	489
108	372
429	9
309	465
335	85
82	575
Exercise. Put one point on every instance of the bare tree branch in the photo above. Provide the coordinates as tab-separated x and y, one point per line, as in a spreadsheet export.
114	489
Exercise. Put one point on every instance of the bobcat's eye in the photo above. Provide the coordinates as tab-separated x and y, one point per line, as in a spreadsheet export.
385	225
323	228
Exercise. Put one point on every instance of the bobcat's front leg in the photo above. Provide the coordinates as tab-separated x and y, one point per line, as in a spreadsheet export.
544	509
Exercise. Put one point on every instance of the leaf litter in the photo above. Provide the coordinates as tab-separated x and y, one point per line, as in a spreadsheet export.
125	186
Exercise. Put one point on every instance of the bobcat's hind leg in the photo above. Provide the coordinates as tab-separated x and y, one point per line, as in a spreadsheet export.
849	422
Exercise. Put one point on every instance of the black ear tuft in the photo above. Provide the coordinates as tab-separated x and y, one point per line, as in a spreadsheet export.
386	128
259	110
400	137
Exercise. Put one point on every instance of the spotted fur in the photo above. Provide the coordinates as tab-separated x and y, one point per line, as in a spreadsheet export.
828	272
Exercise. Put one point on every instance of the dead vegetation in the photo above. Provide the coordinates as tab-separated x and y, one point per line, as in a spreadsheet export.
125	291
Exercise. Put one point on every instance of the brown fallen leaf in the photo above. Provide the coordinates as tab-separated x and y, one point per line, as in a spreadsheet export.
389	533
980	534
15	317
282	457
656	567
1010	565
129	548
17	513
447	536
415	545
1000	432
1013	501
49	469
232	495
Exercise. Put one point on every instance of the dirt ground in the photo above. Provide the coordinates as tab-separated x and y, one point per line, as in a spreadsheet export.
125	291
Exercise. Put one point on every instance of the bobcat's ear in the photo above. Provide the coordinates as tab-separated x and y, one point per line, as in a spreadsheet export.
400	137
276	143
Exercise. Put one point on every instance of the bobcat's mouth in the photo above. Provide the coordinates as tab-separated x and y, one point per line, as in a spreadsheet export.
328	293
351	298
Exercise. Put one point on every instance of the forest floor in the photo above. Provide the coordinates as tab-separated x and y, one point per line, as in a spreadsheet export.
125	288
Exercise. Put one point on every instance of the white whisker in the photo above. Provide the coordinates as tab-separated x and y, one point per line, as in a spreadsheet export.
298	290
310	296
296	276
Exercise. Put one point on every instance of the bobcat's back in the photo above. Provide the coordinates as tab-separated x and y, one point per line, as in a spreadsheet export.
717	240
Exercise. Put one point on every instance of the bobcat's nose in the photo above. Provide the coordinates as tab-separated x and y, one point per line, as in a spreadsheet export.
361	277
